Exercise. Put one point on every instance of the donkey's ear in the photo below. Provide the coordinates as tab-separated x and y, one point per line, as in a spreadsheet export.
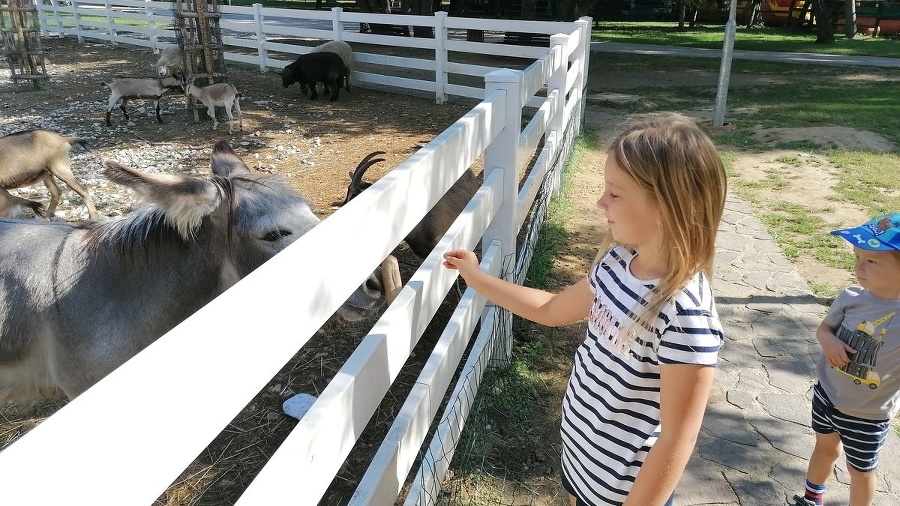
225	162
184	200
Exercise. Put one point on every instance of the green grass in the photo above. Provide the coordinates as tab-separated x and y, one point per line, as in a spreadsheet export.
817	96
798	229
751	39
554	234
869	180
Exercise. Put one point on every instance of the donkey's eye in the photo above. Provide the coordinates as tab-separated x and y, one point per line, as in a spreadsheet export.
274	235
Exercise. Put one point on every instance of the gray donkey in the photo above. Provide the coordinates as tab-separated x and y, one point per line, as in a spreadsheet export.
78	300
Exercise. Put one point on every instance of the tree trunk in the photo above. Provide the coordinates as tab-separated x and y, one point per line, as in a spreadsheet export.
824	35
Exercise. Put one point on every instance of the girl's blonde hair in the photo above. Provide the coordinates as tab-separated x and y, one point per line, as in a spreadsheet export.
678	165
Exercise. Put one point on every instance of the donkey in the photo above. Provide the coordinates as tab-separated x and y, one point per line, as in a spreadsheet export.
78	300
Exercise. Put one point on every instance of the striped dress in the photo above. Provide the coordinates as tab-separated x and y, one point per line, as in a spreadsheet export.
610	413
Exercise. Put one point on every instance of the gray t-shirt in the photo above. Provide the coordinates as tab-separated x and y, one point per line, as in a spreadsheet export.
869	386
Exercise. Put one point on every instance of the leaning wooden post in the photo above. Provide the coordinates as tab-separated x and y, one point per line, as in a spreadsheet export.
503	154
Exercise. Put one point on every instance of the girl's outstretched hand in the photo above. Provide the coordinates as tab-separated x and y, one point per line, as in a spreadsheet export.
462	260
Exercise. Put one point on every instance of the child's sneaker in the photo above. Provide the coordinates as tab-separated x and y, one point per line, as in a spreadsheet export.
802	501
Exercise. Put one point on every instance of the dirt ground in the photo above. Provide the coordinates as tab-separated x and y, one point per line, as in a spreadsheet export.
314	144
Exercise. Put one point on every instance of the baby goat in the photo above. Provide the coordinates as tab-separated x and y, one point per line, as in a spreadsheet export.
38	155
425	236
123	88
218	94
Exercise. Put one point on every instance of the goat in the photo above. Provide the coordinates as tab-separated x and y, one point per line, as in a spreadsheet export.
94	295
426	234
218	94
311	68
38	155
341	49
123	88
170	63
12	206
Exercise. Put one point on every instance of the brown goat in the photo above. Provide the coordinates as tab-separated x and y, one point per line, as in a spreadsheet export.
38	155
12	206
425	236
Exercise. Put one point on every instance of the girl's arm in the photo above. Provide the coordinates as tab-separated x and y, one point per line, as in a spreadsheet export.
539	306
684	391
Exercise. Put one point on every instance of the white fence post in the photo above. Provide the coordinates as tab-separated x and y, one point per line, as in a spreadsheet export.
557	82
59	27
42	17
261	38
110	23
584	54
503	154
77	17
151	25
336	25
440	56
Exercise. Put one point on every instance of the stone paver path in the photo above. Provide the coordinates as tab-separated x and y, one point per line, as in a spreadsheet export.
756	438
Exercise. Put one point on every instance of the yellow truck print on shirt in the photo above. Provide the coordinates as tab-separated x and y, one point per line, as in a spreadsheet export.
866	343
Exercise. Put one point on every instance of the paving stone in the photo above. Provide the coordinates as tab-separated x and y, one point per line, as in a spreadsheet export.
743	458
703	483
730	425
741	399
754	489
789	375
785	437
787	407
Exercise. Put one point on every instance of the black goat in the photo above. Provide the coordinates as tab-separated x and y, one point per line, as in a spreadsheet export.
311	68
425	236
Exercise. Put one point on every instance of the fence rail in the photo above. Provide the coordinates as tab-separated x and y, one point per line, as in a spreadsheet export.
254	32
125	440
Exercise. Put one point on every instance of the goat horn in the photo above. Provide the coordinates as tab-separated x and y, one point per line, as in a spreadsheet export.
364	165
390	278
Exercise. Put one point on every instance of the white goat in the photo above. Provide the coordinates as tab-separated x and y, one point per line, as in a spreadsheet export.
123	88
343	50
218	94
170	63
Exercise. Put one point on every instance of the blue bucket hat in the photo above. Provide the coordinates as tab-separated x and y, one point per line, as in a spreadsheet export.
880	234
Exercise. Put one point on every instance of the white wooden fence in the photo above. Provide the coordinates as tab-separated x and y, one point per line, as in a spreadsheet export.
251	33
126	439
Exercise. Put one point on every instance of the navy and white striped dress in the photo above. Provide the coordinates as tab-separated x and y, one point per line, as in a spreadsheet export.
610	413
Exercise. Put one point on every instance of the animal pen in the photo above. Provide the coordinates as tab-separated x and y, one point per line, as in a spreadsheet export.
126	439
21	39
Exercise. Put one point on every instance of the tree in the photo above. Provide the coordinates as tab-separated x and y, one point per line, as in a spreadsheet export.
824	35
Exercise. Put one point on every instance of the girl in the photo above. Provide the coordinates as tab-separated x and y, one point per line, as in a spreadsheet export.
641	379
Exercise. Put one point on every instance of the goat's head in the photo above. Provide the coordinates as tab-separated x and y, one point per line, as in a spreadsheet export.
172	82
357	185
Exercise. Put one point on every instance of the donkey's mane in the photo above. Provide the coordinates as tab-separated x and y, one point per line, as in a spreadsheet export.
148	227
144	228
